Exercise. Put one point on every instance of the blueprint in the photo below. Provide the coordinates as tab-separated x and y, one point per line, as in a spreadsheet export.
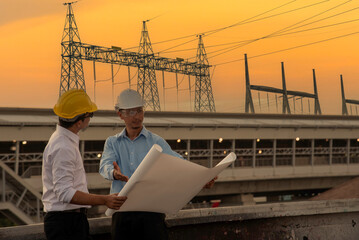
165	184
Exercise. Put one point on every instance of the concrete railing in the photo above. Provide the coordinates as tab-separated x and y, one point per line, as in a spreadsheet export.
333	219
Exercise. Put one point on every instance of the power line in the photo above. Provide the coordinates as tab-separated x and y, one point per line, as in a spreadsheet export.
278	14
247	20
289	27
237	24
291	48
176	85
277	35
108	79
319	20
219	29
228	49
320	27
176	46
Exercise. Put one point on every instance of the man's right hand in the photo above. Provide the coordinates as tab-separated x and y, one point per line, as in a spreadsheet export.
117	173
114	202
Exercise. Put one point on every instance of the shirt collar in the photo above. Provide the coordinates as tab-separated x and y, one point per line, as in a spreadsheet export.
143	132
72	136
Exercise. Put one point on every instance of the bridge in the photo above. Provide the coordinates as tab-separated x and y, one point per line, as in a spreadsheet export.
280	157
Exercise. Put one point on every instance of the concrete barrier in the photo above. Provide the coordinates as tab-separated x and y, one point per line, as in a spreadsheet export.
307	220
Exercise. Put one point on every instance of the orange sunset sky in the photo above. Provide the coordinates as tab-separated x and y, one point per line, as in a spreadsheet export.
31	31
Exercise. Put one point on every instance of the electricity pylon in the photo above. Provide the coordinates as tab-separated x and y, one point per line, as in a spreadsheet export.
74	51
204	101
72	74
146	82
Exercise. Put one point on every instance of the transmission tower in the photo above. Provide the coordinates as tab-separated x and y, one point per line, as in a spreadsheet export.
146	83
204	101
72	75
74	51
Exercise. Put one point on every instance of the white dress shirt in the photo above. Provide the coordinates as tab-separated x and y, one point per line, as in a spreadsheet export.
63	172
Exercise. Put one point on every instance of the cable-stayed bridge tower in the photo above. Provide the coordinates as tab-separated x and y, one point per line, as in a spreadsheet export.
345	101
285	94
72	75
74	51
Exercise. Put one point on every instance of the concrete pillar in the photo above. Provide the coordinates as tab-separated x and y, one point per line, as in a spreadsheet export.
189	149
233	149
330	151
239	199
294	146
312	152
274	153
211	153
254	153
348	151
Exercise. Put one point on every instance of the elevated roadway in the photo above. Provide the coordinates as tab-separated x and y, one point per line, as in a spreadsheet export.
276	153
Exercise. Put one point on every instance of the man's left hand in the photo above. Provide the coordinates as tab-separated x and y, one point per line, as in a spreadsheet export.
117	173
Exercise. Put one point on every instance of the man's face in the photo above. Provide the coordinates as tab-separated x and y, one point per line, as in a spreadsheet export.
86	121
132	117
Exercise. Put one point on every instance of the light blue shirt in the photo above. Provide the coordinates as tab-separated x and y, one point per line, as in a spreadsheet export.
128	154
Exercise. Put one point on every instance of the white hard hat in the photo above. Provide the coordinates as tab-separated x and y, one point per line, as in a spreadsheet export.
129	99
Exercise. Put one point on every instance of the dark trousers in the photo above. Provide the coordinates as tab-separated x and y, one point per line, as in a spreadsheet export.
138	225
66	225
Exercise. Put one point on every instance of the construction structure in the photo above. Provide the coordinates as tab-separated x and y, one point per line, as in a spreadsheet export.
74	51
285	94
347	101
280	157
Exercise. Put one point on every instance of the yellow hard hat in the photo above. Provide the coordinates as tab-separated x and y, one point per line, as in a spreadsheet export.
72	103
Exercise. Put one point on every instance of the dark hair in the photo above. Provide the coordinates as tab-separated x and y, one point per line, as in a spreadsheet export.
67	124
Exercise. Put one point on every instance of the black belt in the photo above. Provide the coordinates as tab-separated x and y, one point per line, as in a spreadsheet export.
78	210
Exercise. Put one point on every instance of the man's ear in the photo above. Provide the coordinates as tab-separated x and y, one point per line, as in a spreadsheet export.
79	123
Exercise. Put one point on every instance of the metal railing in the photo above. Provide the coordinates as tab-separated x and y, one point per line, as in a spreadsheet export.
24	205
15	190
30	163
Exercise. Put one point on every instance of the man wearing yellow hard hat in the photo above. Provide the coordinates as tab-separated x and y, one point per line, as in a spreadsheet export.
65	194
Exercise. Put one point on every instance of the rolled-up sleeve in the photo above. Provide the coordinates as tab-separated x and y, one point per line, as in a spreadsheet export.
107	159
167	149
63	174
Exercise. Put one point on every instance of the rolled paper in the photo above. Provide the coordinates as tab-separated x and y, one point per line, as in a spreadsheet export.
149	159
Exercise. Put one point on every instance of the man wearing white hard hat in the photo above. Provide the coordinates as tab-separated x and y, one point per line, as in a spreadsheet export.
121	156
65	194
